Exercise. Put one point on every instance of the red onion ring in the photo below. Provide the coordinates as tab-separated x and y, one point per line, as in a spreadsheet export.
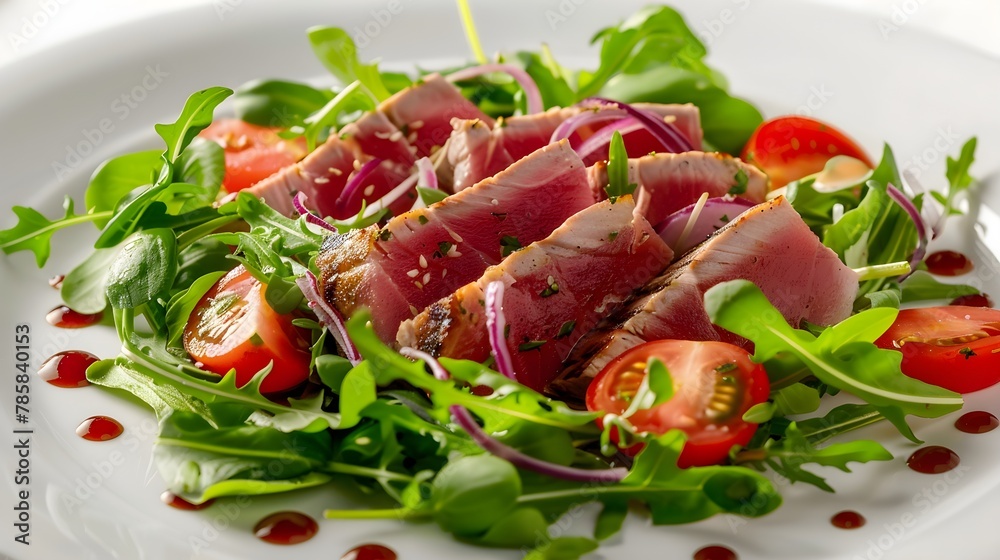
328	316
298	201
496	323
668	134
907	205
532	95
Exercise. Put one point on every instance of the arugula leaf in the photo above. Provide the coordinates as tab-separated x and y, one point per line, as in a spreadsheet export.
337	51
195	117
203	163
117	177
349	100
278	103
165	399
143	270
34	231
787	456
279	461
289	236
957	172
842	356
839	420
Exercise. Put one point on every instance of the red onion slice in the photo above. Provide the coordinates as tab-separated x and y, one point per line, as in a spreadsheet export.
464	419
716	213
299	202
585	118
929	211
496	324
328	316
428	179
907	205
354	186
602	138
532	95
668	134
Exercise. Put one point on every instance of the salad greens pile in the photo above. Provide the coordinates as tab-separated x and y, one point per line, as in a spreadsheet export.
165	239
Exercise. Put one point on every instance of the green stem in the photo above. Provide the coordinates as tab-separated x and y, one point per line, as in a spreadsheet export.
470	31
397	513
60	224
355	470
878	271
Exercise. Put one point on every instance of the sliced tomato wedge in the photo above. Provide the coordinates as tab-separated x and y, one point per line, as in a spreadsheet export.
253	153
233	327
789	148
714	385
955	347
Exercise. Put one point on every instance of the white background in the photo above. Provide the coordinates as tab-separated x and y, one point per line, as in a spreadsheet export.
30	25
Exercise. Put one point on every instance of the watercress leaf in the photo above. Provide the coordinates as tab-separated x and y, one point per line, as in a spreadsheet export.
922	286
520	528
283	295
203	163
290	236
34	231
727	121
610	520
563	548
473	493
337	51
660	381
796	399
117	177
277	102
143	270
195	117
356	392
182	304
332	369
83	287
839	357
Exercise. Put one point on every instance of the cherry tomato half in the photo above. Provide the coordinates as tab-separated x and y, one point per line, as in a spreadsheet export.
253	153
955	347
233	327
789	148
714	385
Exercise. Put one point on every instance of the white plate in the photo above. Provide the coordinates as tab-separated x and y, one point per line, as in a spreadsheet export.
100	500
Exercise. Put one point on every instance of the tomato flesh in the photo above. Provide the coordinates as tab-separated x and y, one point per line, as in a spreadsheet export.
956	347
789	148
253	153
714	385
233	327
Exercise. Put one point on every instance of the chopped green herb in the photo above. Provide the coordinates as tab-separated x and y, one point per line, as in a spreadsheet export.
741	179
566	329
551	289
422	219
967	352
443	248
531	345
726	368
612	236
509	244
384	234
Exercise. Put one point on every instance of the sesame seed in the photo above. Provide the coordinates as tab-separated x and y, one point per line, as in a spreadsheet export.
335	171
396	136
383	135
495	202
454	254
414	310
357	165
455	236
423	261
412	137
321	180
418	285
369	190
550	280
426	278
444	273
413	273
416	124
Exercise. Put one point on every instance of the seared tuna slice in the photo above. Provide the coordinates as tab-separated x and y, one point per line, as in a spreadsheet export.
424	111
669	182
325	170
555	290
768	245
421	256
476	151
